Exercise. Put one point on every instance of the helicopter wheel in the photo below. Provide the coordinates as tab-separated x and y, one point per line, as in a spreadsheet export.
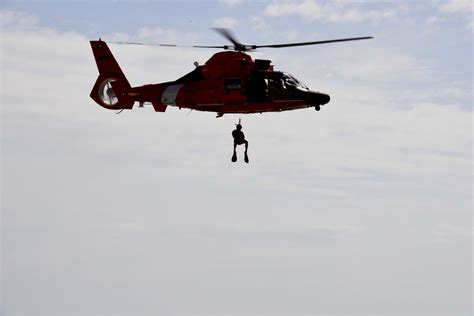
317	107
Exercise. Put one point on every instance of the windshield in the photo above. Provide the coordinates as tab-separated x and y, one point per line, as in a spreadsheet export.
292	81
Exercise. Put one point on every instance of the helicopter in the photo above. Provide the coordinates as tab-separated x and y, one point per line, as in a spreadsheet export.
231	81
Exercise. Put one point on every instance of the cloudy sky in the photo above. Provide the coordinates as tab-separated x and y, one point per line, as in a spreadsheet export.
363	208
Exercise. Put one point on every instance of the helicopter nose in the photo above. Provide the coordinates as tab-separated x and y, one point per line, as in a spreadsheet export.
325	98
315	98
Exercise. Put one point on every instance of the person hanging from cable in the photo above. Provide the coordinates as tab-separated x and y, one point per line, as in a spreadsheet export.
239	139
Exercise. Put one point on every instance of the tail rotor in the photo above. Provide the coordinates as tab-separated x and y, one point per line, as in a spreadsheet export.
106	92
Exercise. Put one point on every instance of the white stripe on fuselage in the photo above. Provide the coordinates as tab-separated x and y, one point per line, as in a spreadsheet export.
169	95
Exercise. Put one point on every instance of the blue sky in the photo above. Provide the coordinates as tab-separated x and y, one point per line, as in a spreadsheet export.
362	208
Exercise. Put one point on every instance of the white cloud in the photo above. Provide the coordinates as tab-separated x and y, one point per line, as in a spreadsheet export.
167	36
120	37
14	19
433	20
147	32
289	232
312	10
225	22
308	9
463	7
454	232
153	185
258	23
382	66
231	3
456	92
453	6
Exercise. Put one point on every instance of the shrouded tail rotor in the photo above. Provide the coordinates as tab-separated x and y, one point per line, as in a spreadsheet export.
106	92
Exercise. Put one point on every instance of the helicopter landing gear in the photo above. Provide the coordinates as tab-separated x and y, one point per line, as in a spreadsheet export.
317	107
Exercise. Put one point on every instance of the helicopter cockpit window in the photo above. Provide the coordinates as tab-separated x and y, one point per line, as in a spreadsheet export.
292	81
232	84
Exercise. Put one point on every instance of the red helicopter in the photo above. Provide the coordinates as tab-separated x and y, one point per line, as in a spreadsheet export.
231	81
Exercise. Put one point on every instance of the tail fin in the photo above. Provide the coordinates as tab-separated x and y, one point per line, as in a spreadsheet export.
111	87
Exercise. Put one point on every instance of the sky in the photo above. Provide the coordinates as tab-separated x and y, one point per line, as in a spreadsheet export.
362	208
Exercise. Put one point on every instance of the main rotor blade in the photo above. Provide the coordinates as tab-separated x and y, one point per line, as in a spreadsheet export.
169	45
241	47
227	34
313	43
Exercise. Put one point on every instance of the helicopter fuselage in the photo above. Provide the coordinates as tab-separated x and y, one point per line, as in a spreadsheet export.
229	82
